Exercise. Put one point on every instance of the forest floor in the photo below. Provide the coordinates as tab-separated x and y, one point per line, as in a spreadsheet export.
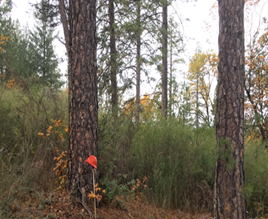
59	205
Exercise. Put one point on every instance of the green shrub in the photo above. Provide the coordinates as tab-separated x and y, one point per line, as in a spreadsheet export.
178	161
115	136
26	159
256	174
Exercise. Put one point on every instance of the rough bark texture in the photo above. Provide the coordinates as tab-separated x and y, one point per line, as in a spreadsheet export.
81	44
113	58
164	61
138	72
229	173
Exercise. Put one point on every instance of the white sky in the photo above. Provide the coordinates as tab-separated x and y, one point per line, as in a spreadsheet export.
197	13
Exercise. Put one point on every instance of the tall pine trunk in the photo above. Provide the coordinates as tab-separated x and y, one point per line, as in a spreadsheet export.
113	58
164	61
138	72
229	172
81	44
170	78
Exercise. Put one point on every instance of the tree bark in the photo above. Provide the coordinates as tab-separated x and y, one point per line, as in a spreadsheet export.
138	72
229	172
81	44
113	58
164	61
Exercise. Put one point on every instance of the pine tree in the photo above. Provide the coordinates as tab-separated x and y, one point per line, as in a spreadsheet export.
42	39
164	57
133	20
175	45
79	25
17	59
113	58
229	171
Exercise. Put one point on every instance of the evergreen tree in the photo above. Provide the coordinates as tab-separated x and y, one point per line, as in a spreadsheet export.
113	60
81	45
184	104
133	21
164	57
229	172
175	46
41	45
17	60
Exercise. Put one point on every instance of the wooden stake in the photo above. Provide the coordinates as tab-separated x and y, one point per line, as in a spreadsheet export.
94	194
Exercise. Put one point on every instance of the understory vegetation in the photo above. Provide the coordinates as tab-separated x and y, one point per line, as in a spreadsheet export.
157	149
178	160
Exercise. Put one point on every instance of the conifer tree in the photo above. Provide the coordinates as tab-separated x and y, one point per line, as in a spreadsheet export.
229	172
133	20
164	57
113	58
175	46
79	25
17	59
42	37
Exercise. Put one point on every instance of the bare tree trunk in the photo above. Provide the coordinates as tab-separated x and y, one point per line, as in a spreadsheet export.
81	44
170	80
197	104
164	61
113	58
229	172
138	73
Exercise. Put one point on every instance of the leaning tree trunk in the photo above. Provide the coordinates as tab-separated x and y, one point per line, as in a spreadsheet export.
229	173
164	60
81	44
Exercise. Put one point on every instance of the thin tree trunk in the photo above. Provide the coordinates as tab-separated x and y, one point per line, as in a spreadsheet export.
164	61
81	44
44	54
229	172
170	80
137	116
113	58
197	104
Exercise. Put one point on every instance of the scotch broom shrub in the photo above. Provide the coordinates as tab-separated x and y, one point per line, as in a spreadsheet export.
256	174
26	159
115	136
178	161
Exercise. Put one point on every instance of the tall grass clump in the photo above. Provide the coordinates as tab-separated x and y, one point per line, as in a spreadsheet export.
256	173
26	158
178	161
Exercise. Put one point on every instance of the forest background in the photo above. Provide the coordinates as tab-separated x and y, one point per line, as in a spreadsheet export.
177	155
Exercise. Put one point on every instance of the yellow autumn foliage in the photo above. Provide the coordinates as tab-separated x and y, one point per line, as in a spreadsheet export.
148	107
3	41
